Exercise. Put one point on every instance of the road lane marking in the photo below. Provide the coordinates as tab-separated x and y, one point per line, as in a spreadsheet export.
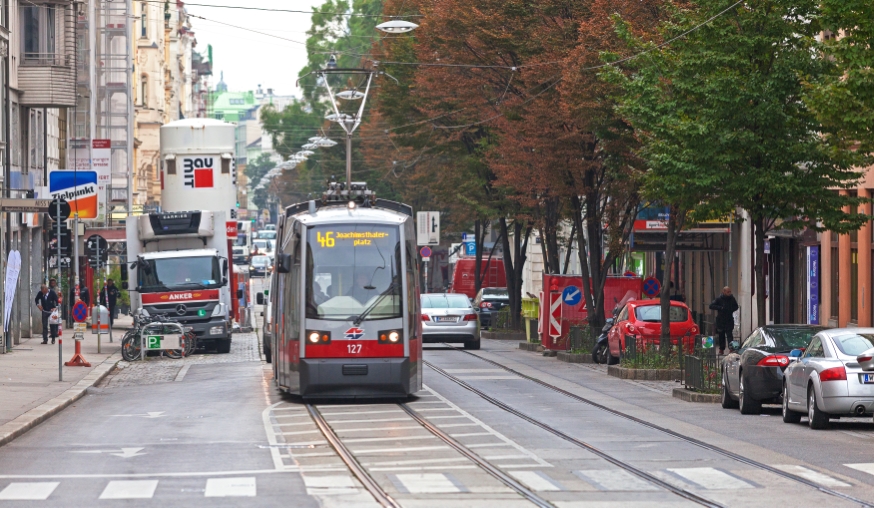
129	489
377	429
181	375
376	420
505	457
28	491
450	425
711	478
291	416
435	409
537	480
471	434
814	476
427	483
484	378
299	432
398	438
283	469
863	467
356	413
408	462
488	445
230	487
614	479
472	371
420	468
330	485
398	450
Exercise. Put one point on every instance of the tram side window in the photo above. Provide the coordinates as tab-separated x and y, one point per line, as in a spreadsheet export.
352	269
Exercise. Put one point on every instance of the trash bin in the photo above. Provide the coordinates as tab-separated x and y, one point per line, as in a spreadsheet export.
103	313
531	312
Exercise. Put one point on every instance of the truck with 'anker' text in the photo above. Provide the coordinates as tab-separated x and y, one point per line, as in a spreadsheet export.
180	257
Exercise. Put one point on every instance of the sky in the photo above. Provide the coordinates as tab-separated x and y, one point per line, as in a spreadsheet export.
249	59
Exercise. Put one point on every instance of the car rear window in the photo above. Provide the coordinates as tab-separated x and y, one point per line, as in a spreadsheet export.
653	314
792	337
445	302
496	294
854	344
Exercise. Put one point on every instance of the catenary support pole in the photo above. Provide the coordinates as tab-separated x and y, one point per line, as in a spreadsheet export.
348	161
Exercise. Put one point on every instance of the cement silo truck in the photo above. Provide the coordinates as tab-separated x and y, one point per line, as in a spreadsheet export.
180	257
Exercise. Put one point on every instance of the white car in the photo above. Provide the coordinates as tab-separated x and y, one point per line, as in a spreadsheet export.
832	377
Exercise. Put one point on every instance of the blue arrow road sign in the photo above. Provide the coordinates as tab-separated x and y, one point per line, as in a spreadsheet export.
571	295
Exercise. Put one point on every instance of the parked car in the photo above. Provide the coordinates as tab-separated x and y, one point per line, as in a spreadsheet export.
832	377
241	255
752	373
448	317
259	266
266	234
642	319
488	302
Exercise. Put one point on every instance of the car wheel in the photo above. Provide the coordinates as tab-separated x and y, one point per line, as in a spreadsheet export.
816	418
748	406
268	354
599	355
789	416
611	360
727	401
472	344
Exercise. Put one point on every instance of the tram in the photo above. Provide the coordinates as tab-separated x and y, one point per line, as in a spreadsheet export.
345	298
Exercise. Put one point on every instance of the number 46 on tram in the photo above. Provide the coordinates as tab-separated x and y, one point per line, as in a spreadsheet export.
345	298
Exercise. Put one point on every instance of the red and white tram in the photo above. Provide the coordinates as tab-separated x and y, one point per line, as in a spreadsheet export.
345	298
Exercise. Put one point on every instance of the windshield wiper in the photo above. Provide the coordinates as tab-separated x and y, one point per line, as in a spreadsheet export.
373	305
202	286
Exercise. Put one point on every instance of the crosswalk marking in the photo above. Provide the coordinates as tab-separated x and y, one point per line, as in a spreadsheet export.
475	371
400	450
614	479
710	478
230	487
28	491
863	467
330	485
536	480
814	476
479	378
129	489
427	483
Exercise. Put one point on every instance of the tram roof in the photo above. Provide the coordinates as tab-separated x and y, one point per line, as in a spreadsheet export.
340	213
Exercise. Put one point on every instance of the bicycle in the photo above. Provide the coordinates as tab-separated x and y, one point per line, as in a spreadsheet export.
131	342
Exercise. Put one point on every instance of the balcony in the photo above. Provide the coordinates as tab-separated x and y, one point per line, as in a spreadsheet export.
47	73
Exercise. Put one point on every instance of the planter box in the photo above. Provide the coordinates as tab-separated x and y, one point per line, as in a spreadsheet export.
529	346
502	335
643	374
690	396
575	357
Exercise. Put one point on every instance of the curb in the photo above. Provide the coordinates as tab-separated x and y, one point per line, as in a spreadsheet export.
15	428
690	396
535	347
643	374
575	357
485	334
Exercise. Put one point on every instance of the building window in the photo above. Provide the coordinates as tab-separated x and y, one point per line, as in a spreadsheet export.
15	142
144	20
38	34
144	91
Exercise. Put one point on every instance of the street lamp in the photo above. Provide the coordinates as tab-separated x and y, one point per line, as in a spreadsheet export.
395	26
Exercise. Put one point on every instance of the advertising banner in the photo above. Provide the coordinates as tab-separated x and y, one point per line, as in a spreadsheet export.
813	285
101	154
13	268
79	188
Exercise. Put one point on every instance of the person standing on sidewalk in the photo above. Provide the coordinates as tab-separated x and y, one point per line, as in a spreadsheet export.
725	305
47	301
109	295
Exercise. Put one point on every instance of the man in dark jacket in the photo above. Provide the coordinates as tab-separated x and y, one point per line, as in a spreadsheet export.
725	305
47	301
109	293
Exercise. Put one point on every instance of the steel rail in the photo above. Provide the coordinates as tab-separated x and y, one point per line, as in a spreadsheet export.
687	439
476	459
691	496
381	496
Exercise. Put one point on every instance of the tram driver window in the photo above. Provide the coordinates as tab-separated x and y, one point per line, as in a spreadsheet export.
351	270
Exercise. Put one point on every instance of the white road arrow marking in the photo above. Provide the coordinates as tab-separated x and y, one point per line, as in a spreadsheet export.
154	414
124	453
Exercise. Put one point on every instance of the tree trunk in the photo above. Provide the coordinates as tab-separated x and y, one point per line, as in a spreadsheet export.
508	263
595	233
570	245
676	219
584	258
513	266
759	225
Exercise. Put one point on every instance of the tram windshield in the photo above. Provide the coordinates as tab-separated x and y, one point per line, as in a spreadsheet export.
352	269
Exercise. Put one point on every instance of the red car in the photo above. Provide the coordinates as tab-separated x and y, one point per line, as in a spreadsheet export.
642	319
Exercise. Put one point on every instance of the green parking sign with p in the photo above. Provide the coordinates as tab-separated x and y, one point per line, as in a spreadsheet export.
168	341
153	341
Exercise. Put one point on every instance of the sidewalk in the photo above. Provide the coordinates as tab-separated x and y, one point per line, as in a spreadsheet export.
29	385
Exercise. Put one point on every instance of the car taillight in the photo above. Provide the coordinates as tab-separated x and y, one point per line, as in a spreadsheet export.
864	358
774	361
470	317
425	317
833	374
485	305
694	330
629	328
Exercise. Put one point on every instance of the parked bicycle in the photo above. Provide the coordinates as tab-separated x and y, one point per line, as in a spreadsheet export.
159	324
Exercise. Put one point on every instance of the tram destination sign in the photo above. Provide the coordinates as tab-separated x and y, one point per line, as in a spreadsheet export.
24	205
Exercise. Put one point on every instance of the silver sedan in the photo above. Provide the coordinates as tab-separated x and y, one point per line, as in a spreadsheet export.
449	318
832	377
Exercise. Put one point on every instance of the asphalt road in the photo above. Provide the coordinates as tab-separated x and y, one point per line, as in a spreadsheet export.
211	429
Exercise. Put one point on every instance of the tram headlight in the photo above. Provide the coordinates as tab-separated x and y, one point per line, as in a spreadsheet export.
390	337
318	337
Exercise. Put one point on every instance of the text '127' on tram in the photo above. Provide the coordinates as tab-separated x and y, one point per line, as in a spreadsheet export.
345	298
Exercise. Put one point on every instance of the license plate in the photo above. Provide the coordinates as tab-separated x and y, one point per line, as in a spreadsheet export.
868	378
446	319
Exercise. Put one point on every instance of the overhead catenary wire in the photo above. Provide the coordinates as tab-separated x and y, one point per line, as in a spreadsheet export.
292	11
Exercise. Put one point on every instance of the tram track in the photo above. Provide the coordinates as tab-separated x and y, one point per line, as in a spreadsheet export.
690	440
383	497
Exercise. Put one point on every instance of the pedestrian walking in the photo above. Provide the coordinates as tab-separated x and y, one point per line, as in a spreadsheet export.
84	295
724	305
109	297
47	301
